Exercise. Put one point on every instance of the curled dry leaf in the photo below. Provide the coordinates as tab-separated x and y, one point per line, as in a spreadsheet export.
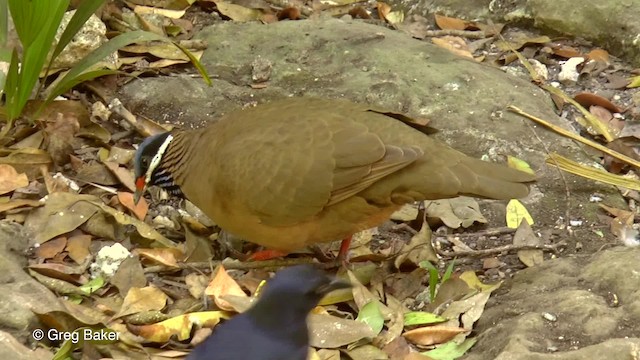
179	326
139	210
456	45
599	55
148	298
432	335
461	211
524	236
587	99
328	332
449	23
223	284
10	179
51	248
565	51
164	256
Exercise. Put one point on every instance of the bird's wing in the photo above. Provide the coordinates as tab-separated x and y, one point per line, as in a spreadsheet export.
295	163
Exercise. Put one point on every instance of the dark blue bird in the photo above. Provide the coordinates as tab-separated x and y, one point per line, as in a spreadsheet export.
275	328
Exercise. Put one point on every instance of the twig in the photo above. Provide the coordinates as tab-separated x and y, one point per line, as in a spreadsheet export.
460	33
575	137
232	264
564	180
486	232
506	248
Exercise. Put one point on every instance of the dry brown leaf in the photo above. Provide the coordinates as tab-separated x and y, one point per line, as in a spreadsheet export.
524	235
599	55
51	248
238	13
455	44
565	51
454	213
432	335
164	256
326	331
78	247
10	179
587	99
223	284
123	174
142	299
418	249
61	213
139	210
14	204
449	23
129	275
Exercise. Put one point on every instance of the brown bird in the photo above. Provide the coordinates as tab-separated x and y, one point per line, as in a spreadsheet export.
301	171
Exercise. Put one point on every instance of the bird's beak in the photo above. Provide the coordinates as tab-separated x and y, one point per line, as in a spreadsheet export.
140	186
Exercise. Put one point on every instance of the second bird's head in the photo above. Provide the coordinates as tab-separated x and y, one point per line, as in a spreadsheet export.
150	167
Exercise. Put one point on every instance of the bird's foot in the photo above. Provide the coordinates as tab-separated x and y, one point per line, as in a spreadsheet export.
267	254
343	254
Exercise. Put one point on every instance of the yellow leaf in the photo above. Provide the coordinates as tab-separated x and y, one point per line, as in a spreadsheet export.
516	212
521	165
635	82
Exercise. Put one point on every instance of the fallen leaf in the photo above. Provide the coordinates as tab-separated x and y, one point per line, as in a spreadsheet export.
451	350
165	256
449	23
524	236
418	249
179	326
599	55
587	99
139	210
10	179
129	275
516	212
223	284
371	315
521	165
431	335
51	248
329	332
461	211
142	299
454	44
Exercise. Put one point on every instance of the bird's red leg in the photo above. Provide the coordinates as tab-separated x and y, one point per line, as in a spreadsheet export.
343	254
267	254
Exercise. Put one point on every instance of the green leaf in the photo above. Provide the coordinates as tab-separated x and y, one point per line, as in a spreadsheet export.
433	278
447	273
422	318
93	285
371	315
195	62
36	22
4	23
450	350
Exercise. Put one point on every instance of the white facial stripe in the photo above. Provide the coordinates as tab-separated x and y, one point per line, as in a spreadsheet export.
157	158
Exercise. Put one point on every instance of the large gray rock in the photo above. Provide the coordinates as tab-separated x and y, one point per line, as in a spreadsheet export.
595	300
20	294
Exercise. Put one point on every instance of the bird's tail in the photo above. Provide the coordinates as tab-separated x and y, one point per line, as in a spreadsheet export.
492	181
